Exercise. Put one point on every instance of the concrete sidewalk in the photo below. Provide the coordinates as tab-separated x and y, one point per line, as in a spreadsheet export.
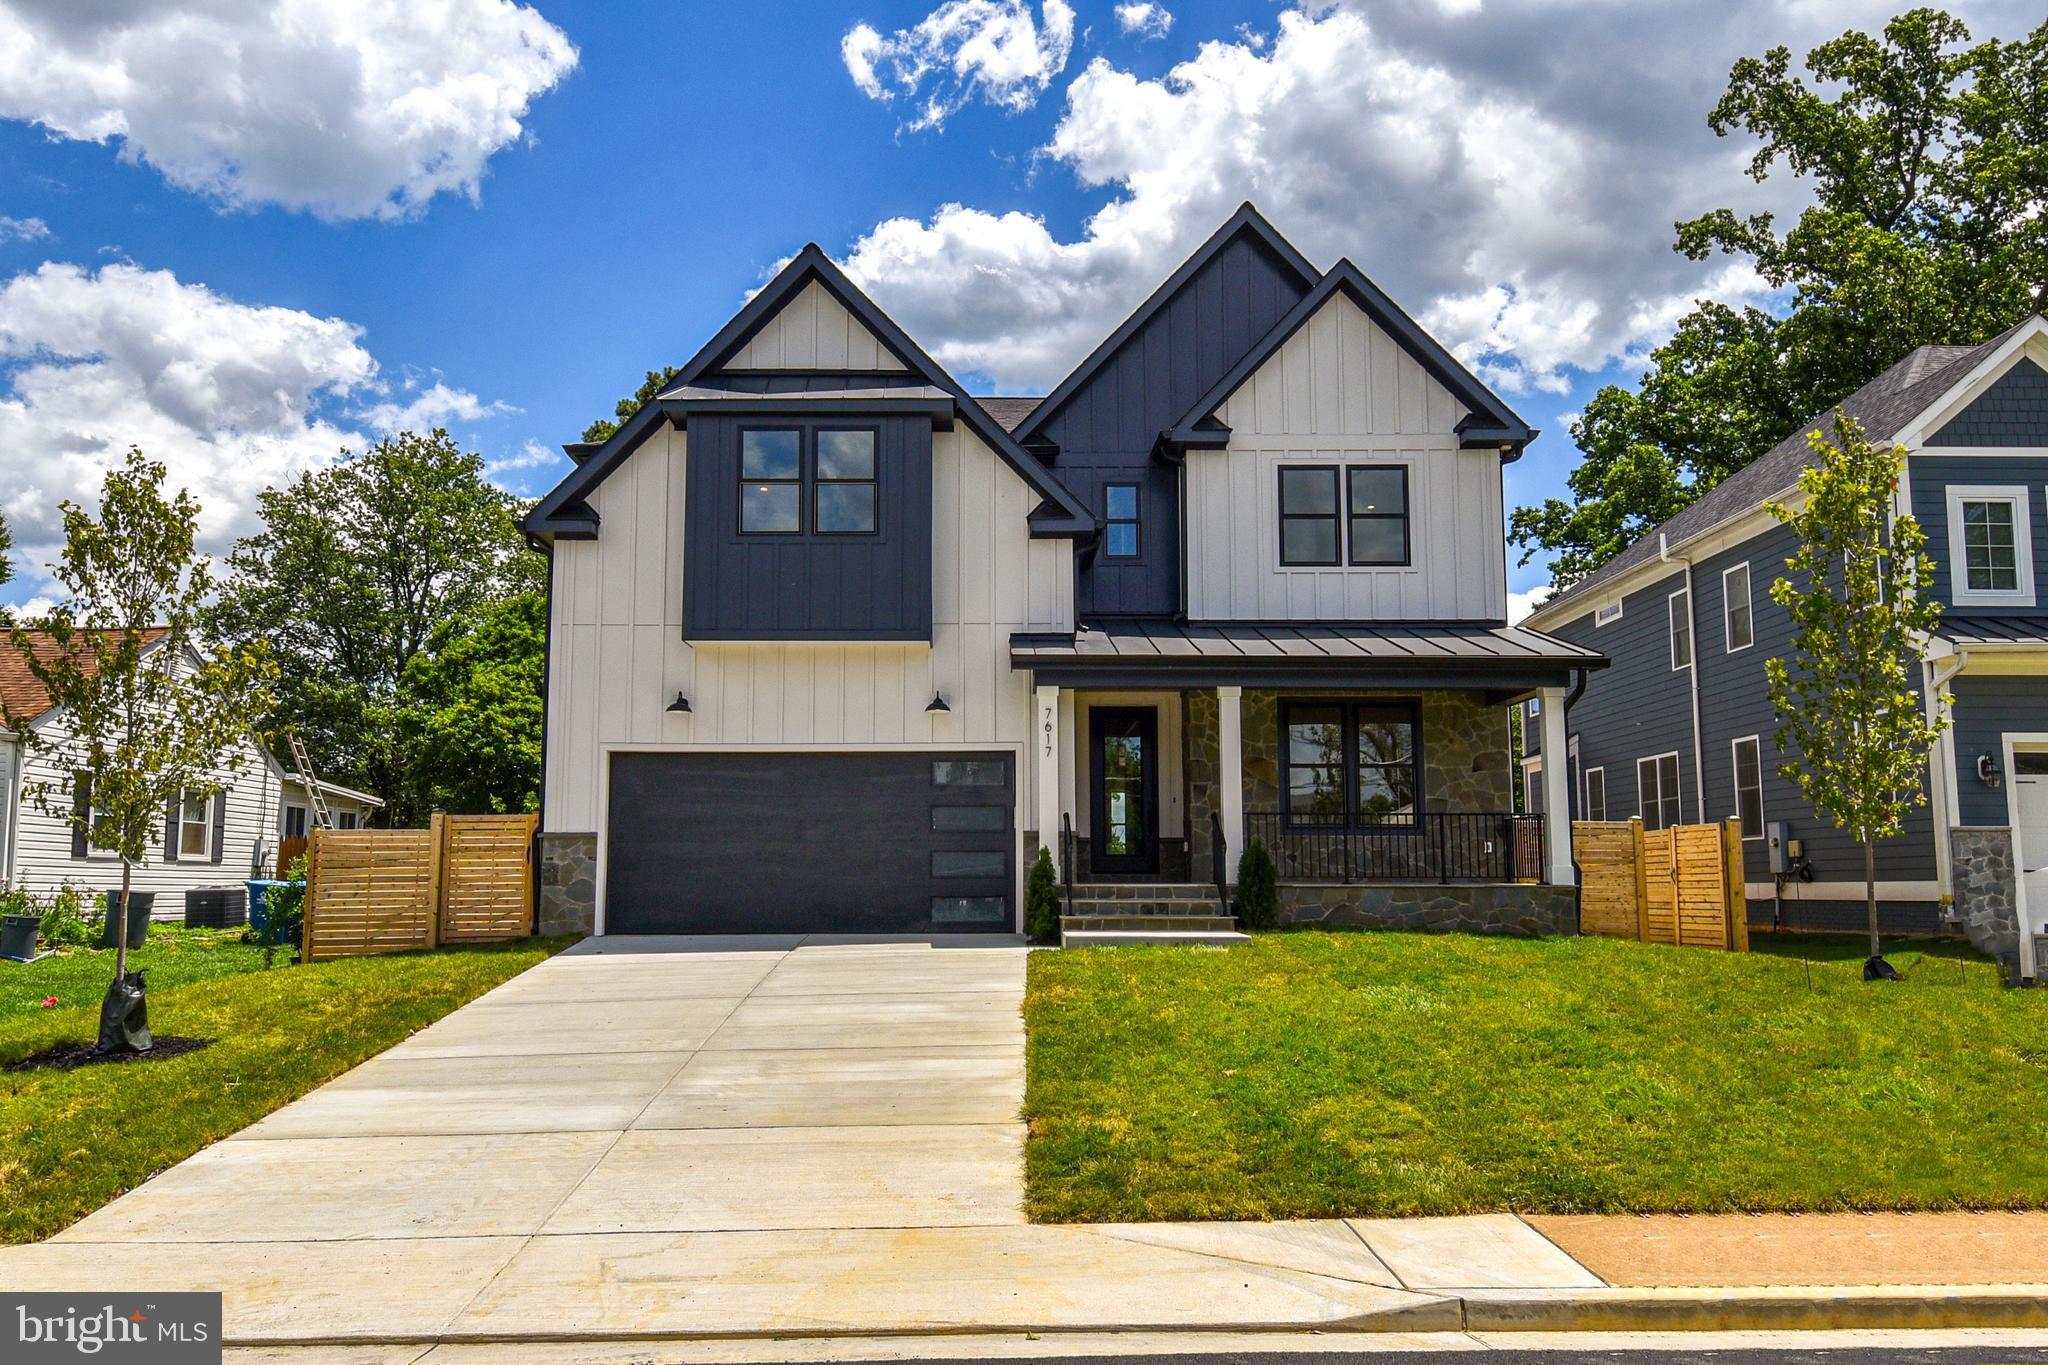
701	1139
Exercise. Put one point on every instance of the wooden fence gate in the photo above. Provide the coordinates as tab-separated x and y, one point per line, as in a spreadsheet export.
463	879
1680	885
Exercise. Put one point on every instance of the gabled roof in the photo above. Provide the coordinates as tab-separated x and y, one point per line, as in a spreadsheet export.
564	512
1247	220
23	693
1010	412
1883	408
1491	423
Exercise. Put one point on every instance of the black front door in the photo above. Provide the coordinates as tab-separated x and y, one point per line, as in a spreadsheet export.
1123	789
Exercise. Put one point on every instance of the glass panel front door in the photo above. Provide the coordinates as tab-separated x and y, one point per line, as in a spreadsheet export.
1124	795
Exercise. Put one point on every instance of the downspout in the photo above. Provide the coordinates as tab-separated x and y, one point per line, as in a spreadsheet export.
1947	797
1582	677
547	664
1692	626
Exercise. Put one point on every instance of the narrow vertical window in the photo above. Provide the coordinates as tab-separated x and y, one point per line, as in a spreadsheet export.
1308	515
1738	615
195	829
1378	506
771	482
1657	791
1120	508
1595	801
845	492
1749	786
1681	629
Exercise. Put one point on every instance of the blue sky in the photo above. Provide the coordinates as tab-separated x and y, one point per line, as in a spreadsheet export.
223	239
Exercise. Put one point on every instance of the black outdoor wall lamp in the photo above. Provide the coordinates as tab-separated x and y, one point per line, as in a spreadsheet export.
1987	770
681	703
937	704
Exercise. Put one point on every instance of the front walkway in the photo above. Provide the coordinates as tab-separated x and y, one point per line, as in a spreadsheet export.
646	1139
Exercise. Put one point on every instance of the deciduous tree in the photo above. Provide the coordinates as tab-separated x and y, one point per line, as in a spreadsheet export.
473	708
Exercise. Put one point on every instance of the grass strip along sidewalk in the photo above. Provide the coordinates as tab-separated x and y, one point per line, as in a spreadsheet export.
1312	1074
72	1140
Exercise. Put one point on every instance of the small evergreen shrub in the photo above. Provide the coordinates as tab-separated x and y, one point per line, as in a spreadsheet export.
1258	887
1042	900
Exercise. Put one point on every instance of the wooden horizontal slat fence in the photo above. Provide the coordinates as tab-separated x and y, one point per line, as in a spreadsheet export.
465	878
1681	885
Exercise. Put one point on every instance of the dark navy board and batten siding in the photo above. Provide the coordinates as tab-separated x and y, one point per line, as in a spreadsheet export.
1930	478
2012	412
808	587
1106	429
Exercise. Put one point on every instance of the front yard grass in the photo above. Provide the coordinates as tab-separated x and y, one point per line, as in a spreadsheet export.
1311	1074
71	1141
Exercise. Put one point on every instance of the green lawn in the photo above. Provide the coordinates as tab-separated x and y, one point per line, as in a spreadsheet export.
1310	1074
71	1141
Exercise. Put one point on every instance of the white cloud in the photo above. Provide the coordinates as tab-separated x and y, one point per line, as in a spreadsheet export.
22	229
1144	19
1519	208
1520	604
435	405
511	472
991	49
364	109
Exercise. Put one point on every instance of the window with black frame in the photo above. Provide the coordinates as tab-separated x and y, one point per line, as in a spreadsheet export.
1309	533
1377	500
771	481
845	491
1351	764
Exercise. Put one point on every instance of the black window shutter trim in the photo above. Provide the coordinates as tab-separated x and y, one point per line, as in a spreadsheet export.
220	824
81	805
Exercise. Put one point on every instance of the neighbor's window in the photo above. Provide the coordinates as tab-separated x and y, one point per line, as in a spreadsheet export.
1738	618
1992	545
294	822
1749	786
194	834
1680	604
771	482
1595	800
1657	791
345	819
1350	763
846	482
1120	505
1379	513
1308	515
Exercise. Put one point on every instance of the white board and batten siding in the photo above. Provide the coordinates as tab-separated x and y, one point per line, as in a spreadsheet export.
813	331
619	659
1340	390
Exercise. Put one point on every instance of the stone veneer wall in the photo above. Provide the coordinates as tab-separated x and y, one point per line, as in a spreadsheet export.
1987	894
568	884
1526	911
1200	762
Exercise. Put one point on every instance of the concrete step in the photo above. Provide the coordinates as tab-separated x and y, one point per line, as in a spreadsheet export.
1111	905
1151	924
1145	891
1112	938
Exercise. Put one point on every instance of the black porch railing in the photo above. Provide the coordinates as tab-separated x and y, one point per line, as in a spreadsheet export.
1417	848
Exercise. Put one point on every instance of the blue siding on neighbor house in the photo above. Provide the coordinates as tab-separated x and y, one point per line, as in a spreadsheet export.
2012	412
1987	708
1930	477
1105	431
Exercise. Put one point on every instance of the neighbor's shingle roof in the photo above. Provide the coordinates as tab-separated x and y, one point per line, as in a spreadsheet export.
19	688
1882	408
1009	412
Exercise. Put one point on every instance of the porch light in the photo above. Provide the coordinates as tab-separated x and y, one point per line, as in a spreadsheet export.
1987	770
937	704
681	703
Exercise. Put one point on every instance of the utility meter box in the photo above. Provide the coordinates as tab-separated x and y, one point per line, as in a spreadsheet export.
1778	839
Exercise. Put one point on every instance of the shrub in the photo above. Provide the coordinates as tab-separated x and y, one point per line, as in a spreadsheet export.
71	918
1042	900
1258	890
284	909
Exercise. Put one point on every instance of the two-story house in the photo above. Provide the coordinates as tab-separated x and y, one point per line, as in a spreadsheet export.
836	646
1681	727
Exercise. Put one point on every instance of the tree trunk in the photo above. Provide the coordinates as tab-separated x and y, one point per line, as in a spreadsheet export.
121	923
1870	890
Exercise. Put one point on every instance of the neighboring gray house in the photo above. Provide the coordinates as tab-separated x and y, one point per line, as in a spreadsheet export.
1681	727
834	645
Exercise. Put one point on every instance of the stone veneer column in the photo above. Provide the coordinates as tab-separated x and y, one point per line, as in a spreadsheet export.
1986	890
568	884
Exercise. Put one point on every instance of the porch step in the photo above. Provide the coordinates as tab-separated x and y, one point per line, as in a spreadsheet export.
1111	938
1158	923
1157	892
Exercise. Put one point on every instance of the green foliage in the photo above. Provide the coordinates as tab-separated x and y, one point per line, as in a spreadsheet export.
6	567
149	714
284	910
1258	891
656	381
1850	720
1042	900
356	567
70	918
1927	160
473	708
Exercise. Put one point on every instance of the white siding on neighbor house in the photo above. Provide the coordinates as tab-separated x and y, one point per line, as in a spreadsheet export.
9	749
294	794
618	658
1341	391
813	331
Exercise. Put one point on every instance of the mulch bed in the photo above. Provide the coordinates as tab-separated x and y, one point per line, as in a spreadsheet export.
71	1056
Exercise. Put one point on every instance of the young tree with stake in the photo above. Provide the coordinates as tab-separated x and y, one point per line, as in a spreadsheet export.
1850	724
148	717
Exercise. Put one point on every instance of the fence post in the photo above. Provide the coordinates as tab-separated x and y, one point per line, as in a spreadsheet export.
309	903
437	855
1635	835
1738	892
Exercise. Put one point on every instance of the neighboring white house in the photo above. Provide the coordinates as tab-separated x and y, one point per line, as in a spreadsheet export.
221	840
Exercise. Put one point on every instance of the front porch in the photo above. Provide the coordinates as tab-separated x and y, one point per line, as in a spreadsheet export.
1385	796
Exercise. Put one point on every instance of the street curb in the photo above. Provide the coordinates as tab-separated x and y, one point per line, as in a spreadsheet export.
1778	1307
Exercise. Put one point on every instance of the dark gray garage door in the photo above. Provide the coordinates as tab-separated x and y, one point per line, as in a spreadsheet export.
810	843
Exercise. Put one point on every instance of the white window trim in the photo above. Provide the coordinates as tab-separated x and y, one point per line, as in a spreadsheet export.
2021	496
1586	791
1692	646
1735	776
1748	601
1607	615
205	855
284	820
1642	812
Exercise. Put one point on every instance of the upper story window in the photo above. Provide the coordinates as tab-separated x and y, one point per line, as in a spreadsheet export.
1379	513
1308	515
1594	802
194	828
1680	604
1990	546
771	481
1738	614
845	493
1657	791
1120	509
1607	615
1350	763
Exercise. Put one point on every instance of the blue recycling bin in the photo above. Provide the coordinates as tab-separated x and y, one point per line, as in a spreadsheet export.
259	906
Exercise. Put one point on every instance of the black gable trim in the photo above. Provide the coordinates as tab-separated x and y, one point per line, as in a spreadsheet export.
1246	220
1491	421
